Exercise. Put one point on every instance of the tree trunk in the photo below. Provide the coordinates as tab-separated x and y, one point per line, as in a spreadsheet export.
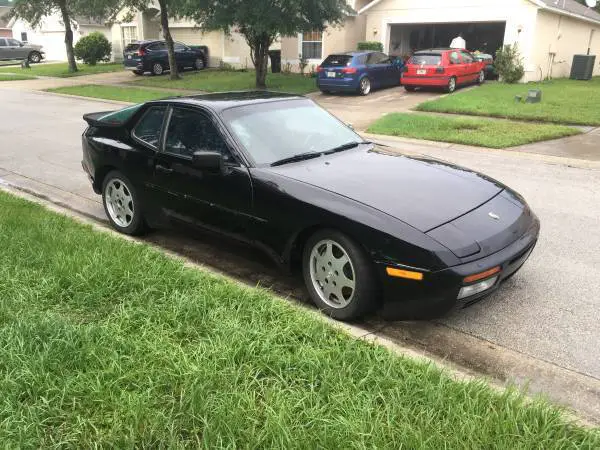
259	52
164	22
68	36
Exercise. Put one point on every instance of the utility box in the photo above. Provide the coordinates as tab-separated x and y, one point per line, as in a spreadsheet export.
582	67
533	96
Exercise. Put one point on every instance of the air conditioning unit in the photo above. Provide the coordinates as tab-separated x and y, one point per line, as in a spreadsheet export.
582	67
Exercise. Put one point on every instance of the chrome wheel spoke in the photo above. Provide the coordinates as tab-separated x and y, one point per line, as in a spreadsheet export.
119	203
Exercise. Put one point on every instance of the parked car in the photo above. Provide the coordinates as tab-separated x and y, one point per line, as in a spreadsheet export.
490	69
359	72
363	223
152	56
11	49
442	68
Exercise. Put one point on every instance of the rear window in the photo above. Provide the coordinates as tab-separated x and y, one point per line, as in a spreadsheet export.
132	47
120	116
337	60
427	59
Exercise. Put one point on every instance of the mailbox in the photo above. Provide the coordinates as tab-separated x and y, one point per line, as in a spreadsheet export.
534	96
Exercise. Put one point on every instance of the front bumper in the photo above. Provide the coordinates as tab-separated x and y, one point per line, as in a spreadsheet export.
437	293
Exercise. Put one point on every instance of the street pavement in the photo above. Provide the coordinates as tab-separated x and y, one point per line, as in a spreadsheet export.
547	312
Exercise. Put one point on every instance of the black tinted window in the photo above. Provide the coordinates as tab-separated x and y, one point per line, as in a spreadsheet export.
13	42
378	58
2	42
132	48
427	59
337	60
157	46
179	46
148	128
191	131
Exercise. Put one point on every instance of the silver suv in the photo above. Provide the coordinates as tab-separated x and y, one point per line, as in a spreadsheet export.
12	49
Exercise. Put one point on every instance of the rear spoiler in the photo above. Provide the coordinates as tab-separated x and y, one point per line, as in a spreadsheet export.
93	119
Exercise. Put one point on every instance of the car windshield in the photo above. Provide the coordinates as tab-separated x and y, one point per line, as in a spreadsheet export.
337	60
275	131
427	59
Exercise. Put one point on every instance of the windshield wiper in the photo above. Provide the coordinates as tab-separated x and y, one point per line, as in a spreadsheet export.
346	146
298	157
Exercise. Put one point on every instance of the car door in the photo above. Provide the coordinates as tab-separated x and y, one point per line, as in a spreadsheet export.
456	67
218	200
3	49
375	70
17	49
183	55
391	70
471	67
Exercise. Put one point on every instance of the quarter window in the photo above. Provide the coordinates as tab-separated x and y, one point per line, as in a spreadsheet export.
13	43
312	45
179	47
467	58
191	131
378	58
454	59
149	126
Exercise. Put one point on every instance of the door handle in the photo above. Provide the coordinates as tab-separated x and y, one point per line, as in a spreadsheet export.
163	169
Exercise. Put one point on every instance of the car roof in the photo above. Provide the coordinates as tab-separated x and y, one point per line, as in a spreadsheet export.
439	50
225	100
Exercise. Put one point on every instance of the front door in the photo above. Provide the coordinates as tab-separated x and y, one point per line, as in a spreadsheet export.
219	200
471	67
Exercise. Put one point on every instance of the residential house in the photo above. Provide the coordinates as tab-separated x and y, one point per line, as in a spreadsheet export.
5	30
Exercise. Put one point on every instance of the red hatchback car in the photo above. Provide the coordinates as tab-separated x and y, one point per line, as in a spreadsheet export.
445	68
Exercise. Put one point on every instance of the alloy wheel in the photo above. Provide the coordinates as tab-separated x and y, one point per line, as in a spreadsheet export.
199	64
452	84
332	273
35	57
481	77
157	69
365	86
119	202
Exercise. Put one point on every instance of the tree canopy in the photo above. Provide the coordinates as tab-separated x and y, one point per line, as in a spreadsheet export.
260	22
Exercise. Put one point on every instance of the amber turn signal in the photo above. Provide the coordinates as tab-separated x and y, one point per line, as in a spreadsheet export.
400	273
482	275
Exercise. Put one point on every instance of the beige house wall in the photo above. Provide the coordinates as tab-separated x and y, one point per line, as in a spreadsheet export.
558	38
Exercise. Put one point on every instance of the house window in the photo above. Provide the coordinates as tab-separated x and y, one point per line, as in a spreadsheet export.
312	45
24	36
130	35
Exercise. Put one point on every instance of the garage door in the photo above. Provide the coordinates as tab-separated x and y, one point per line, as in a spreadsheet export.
212	40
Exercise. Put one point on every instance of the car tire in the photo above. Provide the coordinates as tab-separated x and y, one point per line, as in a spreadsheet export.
138	72
481	77
35	57
451	85
122	205
157	69
339	276
199	64
325	91
410	88
364	86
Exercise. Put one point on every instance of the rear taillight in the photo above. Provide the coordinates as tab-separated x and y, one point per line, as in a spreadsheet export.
141	52
349	70
319	69
439	70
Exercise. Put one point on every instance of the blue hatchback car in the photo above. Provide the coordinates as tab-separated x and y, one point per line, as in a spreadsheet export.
359	71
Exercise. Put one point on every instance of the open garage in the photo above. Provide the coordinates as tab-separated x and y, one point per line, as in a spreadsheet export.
486	37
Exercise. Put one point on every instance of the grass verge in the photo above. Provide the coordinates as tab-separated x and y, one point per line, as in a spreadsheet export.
563	101
466	130
15	76
61	70
106	343
213	80
124	94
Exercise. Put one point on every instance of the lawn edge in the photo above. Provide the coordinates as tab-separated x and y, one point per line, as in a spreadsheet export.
49	91
454	370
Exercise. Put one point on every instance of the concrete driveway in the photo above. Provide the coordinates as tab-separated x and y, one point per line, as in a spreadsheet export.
361	111
545	319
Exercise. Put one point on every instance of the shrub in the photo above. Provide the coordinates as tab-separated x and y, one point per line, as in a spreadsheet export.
93	48
509	64
370	45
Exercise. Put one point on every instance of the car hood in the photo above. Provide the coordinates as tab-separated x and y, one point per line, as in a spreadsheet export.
422	192
33	46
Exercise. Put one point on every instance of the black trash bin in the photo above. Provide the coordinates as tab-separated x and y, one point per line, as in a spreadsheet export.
275	56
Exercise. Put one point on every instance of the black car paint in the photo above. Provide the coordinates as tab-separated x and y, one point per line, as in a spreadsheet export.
383	200
185	57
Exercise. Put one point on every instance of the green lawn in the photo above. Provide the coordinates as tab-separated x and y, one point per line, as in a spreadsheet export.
108	343
213	80
465	130
61	69
563	101
15	76
124	94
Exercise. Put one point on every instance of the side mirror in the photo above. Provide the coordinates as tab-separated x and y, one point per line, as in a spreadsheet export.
211	161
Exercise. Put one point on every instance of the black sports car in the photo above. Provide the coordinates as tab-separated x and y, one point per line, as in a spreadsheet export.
366	224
